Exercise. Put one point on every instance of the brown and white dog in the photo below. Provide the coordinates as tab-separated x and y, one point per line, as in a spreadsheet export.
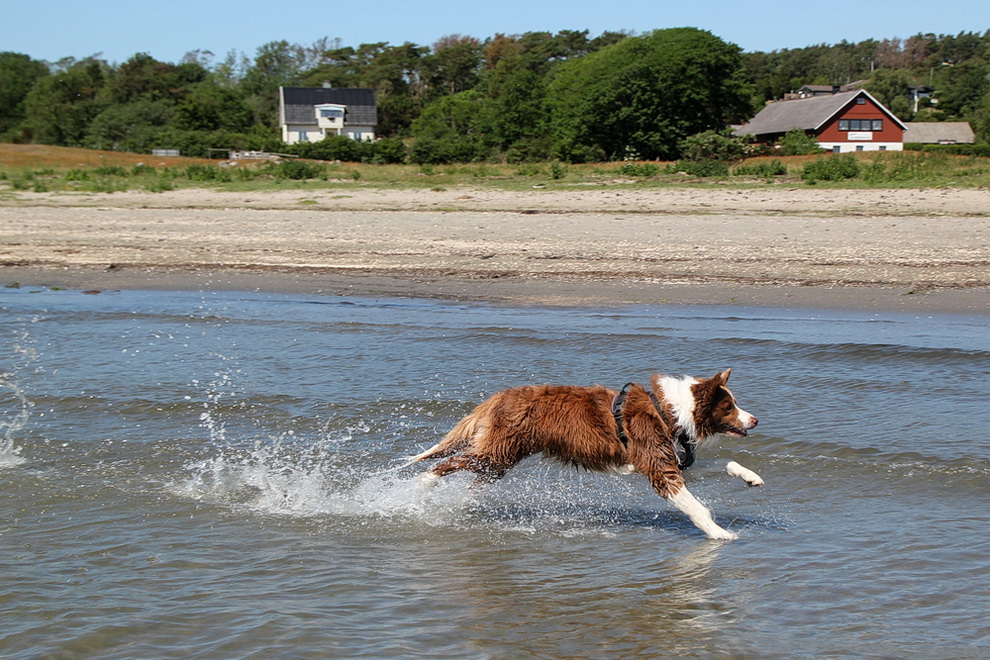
652	432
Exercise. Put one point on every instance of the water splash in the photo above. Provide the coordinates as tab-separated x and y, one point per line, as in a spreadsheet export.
16	418
12	423
210	419
289	477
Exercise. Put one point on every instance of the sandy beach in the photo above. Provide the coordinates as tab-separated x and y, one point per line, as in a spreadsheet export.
911	250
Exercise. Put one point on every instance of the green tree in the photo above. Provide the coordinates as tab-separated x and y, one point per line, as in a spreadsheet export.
642	96
130	126
452	129
515	80
277	63
961	87
18	73
394	74
981	120
891	89
145	78
60	107
209	107
516	91
452	66
229	72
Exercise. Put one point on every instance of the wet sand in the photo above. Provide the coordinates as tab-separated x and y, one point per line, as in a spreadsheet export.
910	250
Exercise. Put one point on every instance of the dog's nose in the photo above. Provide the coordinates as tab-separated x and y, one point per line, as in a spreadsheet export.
755	422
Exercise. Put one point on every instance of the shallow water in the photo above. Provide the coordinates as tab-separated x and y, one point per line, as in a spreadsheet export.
213	475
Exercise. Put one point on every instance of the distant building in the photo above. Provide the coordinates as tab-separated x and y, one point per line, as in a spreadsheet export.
939	132
309	114
841	122
916	93
823	90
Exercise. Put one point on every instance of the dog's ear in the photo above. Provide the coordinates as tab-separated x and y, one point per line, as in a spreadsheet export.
723	377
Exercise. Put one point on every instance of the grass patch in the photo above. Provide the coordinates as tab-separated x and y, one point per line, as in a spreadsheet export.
33	168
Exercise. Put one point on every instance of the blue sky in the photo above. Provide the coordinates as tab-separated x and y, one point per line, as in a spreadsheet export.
167	30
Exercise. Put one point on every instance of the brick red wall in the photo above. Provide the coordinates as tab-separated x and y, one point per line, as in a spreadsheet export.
891	131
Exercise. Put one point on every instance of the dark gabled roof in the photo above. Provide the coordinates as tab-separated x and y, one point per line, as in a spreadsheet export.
834	89
298	103
808	114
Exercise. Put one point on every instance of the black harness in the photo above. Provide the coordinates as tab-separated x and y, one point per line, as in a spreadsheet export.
682	445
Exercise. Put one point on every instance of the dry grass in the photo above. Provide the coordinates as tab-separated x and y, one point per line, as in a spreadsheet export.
41	155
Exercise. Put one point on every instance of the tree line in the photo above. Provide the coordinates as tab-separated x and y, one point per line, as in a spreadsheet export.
531	97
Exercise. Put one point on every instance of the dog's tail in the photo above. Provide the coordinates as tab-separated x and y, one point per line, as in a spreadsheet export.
459	437
432	452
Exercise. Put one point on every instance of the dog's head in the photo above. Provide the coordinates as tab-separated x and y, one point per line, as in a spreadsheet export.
715	408
703	407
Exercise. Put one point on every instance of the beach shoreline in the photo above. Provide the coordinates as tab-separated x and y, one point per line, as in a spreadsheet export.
549	291
917	251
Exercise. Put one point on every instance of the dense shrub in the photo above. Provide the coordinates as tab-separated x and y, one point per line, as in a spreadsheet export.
387	151
206	173
832	168
332	147
639	169
343	148
297	170
798	143
764	169
715	145
447	149
982	150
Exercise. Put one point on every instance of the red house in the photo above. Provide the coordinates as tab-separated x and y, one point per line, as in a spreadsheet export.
847	121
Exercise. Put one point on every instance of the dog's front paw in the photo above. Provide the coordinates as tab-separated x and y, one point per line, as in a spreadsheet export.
719	534
747	475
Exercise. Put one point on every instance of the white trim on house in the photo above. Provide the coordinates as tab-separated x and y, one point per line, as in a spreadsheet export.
310	114
847	147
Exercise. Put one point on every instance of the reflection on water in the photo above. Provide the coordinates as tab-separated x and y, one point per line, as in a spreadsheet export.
217	475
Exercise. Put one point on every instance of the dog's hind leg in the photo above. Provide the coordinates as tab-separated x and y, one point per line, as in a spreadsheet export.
456	440
747	475
488	470
427	479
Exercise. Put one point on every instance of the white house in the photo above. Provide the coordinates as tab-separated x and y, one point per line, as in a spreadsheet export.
309	114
